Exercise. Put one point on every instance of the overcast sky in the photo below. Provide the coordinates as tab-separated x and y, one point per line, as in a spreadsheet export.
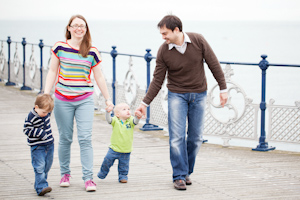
151	9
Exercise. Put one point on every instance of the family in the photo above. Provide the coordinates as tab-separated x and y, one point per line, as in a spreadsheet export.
181	57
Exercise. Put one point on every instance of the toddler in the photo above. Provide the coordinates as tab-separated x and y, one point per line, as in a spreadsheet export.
121	141
39	137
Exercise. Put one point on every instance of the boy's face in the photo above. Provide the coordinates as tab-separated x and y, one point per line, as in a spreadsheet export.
40	112
123	112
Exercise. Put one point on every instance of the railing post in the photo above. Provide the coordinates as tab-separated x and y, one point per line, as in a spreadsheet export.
8	83
41	45
24	87
114	54
148	126
263	145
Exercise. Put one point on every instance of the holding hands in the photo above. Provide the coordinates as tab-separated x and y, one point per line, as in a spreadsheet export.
109	106
140	112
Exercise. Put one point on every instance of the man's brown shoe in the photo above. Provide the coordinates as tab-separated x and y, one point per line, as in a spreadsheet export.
179	185
45	190
123	181
188	180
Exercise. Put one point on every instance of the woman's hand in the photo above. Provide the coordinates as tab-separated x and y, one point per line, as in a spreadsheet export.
109	106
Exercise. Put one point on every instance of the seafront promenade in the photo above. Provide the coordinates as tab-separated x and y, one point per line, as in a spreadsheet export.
220	173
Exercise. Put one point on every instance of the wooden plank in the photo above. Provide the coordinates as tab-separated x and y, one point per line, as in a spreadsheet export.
220	173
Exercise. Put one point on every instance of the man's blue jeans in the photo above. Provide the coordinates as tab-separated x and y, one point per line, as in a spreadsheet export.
184	149
41	159
109	160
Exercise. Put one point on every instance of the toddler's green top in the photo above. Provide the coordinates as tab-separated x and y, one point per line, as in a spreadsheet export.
122	135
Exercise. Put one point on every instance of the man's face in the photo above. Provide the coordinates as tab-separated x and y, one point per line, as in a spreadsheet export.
169	35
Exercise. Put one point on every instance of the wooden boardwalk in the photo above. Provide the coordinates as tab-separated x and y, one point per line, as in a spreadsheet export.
220	173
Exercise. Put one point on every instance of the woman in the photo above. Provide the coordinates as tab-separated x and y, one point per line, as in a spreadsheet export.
72	62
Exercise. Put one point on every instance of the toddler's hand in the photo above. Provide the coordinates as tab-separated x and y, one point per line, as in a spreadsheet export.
109	106
138	114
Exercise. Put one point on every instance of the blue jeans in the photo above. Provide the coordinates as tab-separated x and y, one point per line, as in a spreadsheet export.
183	150
83	112
41	159
109	160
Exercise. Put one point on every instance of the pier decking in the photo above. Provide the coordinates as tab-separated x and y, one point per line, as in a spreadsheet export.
220	173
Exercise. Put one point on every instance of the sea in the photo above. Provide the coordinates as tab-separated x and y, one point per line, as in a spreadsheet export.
234	41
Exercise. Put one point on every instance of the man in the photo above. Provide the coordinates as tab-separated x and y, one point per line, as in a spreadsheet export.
182	55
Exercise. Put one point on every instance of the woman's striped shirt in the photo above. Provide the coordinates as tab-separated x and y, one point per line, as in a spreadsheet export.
74	71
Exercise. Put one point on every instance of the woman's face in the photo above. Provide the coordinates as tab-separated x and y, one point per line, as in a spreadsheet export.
77	28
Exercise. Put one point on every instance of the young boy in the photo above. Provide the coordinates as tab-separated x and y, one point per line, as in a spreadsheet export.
121	141
39	137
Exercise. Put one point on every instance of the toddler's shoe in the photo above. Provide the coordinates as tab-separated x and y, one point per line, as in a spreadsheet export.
123	181
45	190
188	180
65	181
90	186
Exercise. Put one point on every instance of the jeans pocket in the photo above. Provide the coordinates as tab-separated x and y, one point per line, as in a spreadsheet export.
35	147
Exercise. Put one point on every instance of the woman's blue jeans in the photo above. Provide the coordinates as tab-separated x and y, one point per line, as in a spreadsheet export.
184	145
109	160
83	112
41	159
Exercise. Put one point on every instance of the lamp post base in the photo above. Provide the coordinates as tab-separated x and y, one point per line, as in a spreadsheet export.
9	83
150	127
25	88
263	147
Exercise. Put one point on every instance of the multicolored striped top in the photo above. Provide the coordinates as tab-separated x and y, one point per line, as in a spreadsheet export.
74	81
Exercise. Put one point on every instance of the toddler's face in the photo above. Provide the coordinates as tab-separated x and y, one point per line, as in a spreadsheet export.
41	112
124	112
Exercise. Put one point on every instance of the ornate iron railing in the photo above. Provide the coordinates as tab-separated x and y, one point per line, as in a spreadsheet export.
242	122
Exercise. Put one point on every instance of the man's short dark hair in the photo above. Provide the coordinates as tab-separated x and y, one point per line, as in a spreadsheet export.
171	22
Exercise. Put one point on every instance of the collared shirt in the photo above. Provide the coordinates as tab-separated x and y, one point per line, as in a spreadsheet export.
194	77
181	48
122	136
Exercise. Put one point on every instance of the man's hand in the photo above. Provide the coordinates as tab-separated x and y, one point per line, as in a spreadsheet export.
140	112
223	98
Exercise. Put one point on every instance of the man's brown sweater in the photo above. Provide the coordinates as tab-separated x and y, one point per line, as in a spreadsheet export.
185	71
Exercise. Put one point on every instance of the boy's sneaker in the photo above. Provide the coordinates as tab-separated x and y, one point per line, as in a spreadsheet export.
65	181
188	180
45	190
90	186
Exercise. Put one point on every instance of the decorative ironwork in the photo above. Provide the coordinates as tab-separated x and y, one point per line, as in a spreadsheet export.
16	61
32	65
237	109
236	119
2	59
284	122
130	85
